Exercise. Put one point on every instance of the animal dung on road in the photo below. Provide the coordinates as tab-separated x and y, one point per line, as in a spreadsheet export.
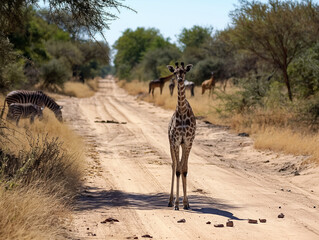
262	220
109	121
219	225
281	215
111	220
181	220
252	221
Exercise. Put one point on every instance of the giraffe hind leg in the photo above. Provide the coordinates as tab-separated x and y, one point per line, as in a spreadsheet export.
171	198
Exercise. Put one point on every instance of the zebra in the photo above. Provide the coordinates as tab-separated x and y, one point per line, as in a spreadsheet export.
24	110
35	97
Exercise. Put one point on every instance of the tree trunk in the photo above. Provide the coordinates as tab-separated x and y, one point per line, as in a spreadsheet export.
287	82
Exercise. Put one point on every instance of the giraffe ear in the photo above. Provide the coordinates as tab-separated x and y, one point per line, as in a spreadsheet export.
170	68
188	67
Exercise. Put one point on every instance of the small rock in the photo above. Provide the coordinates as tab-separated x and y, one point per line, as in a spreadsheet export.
281	215
262	220
279	206
181	220
314	206
253	221
230	224
208	222
147	236
218	225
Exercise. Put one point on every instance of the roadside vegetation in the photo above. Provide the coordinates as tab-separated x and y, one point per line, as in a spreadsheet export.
42	165
269	56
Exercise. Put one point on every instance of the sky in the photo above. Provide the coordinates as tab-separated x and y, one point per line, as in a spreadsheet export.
170	17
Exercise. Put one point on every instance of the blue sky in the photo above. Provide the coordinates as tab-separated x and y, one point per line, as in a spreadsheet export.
171	16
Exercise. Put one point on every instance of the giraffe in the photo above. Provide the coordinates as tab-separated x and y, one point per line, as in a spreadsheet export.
158	83
181	132
209	84
171	86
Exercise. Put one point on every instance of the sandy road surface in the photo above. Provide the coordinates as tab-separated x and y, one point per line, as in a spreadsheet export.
129	176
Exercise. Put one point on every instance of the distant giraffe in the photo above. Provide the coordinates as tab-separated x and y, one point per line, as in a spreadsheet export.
209	84
188	85
181	132
171	86
158	83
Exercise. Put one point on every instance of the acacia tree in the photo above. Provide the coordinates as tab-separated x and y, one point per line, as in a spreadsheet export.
94	15
277	31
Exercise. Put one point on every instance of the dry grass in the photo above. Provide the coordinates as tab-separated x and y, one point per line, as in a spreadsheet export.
271	129
288	141
77	89
30	213
93	83
41	181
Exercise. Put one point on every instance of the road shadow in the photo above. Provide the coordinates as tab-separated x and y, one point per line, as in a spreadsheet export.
95	198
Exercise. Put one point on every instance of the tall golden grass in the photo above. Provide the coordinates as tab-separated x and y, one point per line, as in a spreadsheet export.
31	213
271	129
77	89
42	166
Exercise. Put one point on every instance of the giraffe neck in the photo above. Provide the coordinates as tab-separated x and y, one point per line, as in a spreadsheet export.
181	101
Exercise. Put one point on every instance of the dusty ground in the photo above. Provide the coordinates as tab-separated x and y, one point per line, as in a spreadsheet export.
129	173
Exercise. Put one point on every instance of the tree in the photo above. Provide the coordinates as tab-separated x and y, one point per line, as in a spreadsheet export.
194	37
276	32
93	15
192	43
132	46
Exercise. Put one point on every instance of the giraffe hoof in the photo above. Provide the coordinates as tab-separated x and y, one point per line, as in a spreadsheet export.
176	207
170	204
187	207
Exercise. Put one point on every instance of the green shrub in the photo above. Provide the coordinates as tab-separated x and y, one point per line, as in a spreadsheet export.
55	73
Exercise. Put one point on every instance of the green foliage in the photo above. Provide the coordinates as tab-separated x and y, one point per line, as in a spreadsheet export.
304	73
203	70
65	50
276	32
154	63
132	46
55	73
7	57
194	37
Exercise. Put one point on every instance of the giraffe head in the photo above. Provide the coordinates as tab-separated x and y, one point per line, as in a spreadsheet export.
180	72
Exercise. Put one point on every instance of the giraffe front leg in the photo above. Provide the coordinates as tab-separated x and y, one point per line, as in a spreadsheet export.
171	197
185	156
178	174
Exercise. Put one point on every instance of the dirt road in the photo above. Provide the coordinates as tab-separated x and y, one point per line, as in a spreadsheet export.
129	173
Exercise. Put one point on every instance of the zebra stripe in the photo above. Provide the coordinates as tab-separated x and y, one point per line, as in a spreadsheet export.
35	97
24	110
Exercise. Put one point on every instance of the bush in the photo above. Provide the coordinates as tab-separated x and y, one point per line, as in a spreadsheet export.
55	73
203	70
46	161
